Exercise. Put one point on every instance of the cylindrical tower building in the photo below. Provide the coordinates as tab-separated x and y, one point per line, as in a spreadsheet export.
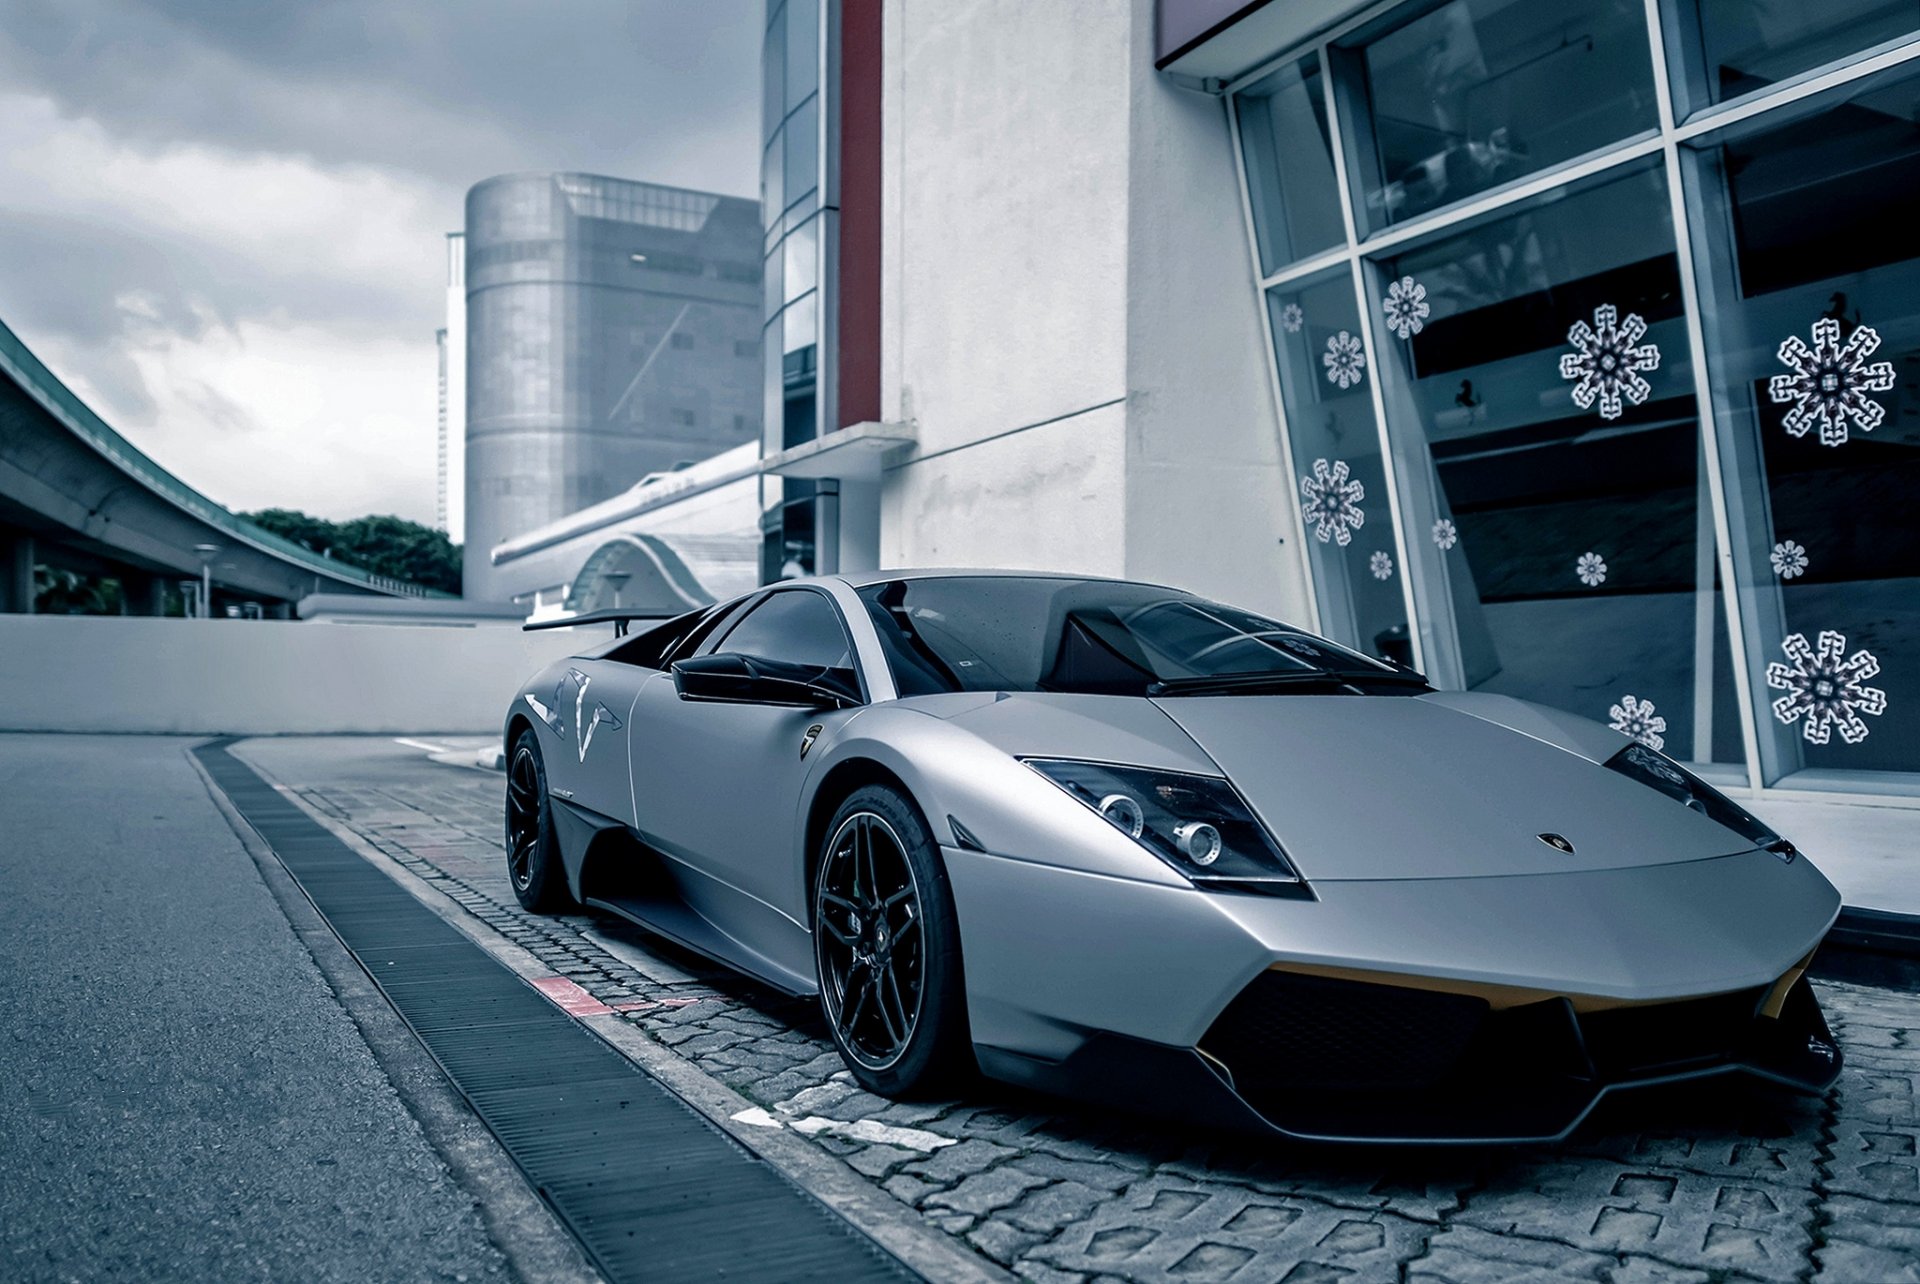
612	331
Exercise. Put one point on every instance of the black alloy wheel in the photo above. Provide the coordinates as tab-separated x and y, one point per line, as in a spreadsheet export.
887	947
533	854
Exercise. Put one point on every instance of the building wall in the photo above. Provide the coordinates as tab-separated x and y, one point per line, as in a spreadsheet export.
264	677
1210	503
612	332
1068	322
453	426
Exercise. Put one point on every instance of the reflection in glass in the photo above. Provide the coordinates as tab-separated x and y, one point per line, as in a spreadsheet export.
1289	164
1342	489
1808	253
1476	93
1567	554
803	150
1745	45
803	50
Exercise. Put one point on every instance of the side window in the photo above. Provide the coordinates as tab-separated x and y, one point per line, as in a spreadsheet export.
697	637
650	649
798	625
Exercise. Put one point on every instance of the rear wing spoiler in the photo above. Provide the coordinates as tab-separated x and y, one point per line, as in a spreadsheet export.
620	619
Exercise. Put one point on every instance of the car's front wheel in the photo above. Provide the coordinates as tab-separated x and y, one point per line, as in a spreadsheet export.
533	853
887	944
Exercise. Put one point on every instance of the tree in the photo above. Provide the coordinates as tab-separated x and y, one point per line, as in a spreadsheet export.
385	545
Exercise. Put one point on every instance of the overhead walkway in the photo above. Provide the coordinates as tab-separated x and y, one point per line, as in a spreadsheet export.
75	493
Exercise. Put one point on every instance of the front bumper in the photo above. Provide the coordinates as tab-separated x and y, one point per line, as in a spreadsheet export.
1434	1009
1501	1077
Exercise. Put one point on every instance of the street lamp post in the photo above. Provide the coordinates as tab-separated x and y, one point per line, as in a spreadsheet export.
206	552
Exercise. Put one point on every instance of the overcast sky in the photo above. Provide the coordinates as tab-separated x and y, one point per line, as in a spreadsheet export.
222	223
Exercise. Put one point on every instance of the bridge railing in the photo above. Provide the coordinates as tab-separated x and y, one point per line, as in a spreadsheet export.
40	383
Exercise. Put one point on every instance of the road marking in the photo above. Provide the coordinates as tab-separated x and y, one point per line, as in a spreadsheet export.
570	998
872	1130
421	744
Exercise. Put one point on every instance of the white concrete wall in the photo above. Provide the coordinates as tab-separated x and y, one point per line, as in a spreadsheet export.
1070	320
1209	501
1049	498
1004	274
263	677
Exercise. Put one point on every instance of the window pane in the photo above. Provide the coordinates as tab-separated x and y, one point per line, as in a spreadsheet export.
772	197
1566	551
798	625
802	255
1336	455
1811	305
803	150
1749	44
1477	93
1290	183
803	50
773	61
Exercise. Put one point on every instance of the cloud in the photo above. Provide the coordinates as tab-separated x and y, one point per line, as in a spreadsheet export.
224	224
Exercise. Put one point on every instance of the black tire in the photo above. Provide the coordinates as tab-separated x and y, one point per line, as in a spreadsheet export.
533	851
887	946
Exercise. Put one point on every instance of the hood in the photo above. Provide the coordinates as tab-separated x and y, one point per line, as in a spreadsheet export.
1377	787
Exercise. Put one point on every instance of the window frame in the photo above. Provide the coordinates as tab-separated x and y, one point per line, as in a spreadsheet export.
718	638
1677	122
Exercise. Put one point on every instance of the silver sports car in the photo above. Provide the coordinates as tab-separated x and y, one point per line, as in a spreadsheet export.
1120	841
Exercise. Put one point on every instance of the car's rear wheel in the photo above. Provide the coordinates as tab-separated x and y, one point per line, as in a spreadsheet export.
533	853
887	944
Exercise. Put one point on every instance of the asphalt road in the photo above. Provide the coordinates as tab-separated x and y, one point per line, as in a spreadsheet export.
182	1097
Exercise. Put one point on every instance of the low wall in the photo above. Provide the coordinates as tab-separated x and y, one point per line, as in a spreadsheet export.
264	677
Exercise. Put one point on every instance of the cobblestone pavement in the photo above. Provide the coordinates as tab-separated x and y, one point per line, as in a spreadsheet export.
1714	1182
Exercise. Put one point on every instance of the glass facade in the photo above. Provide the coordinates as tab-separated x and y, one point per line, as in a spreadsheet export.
610	334
1595	345
792	171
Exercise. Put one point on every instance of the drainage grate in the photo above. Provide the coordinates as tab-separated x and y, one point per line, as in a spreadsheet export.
651	1188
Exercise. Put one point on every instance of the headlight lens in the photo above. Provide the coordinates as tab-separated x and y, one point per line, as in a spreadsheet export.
1197	824
1657	771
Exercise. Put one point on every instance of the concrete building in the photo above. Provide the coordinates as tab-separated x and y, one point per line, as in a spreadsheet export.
451	507
1567	351
610	334
1563	351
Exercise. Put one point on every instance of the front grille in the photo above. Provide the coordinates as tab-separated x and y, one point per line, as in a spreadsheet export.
1291	1030
1645	1039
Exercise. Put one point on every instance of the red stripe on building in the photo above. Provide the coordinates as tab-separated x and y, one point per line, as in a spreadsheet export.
858	373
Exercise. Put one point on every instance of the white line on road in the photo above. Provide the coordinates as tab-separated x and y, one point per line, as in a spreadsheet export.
421	744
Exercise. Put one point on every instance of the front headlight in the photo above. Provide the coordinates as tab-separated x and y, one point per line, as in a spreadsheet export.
1197	824
1657	771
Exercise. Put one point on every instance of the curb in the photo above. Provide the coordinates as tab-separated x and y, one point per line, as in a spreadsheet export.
924	1249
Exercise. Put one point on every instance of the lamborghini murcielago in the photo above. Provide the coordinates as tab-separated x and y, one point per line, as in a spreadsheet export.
1121	841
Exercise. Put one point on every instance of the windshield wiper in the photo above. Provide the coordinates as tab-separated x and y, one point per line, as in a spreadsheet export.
1255	683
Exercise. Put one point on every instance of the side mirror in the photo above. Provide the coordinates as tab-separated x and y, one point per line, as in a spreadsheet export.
732	678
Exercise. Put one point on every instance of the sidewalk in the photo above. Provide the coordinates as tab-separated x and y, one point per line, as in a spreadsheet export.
1714	1183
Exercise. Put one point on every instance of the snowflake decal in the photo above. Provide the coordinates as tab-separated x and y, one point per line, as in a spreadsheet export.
1333	502
1591	570
1406	307
1292	318
1636	717
1381	565
1445	534
1830	382
1609	361
1789	559
1344	360
1824	689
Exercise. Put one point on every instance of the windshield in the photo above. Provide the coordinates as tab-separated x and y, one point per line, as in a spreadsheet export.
1018	633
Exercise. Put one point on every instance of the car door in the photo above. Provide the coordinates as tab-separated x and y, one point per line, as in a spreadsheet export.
716	785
